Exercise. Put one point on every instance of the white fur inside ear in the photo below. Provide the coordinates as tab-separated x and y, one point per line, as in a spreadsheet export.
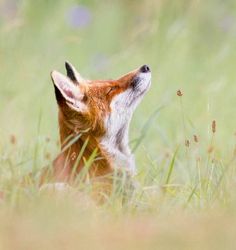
69	90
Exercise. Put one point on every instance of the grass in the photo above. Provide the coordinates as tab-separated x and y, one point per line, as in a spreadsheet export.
186	168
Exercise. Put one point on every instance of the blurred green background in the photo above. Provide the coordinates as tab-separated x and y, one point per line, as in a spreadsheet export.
190	45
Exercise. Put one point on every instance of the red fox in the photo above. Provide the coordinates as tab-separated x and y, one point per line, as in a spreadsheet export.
98	114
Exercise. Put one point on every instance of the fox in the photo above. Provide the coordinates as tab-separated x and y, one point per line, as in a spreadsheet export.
96	114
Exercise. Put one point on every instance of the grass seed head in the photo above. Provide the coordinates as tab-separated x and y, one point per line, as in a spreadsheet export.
187	143
13	139
73	156
198	159
213	126
179	93
47	139
47	156
210	149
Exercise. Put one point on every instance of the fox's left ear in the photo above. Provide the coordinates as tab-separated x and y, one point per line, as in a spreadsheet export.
72	73
67	92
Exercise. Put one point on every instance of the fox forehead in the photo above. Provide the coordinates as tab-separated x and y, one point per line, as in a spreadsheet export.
122	82
105	90
98	95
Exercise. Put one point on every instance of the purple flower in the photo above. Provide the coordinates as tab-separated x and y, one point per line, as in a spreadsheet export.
79	16
99	62
8	10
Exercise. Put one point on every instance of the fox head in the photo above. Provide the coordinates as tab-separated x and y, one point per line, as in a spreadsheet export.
103	107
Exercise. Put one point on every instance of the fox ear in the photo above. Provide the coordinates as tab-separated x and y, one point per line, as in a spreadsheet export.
72	73
66	91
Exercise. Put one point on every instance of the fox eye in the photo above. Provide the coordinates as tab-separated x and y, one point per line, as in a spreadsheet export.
111	89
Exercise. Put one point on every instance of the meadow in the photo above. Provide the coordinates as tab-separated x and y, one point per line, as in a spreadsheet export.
183	133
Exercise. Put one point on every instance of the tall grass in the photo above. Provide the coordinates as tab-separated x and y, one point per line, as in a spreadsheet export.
184	196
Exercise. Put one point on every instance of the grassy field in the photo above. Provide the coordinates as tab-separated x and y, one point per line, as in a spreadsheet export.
184	141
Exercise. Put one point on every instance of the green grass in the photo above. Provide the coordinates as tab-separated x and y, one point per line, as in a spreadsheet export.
185	198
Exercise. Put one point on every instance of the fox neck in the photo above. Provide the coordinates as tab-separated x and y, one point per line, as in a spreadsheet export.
116	140
67	164
119	151
112	150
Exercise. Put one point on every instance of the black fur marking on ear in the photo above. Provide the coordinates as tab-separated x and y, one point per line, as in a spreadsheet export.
59	97
70	72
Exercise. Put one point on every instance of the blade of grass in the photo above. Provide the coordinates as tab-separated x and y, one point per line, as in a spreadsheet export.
87	165
37	144
217	189
191	195
171	167
79	157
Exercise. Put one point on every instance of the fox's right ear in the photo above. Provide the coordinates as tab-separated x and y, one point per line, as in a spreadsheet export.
67	91
72	73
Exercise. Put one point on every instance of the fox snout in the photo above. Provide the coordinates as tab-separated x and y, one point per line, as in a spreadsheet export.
142	79
145	69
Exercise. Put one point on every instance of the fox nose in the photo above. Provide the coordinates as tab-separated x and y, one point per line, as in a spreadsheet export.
145	69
